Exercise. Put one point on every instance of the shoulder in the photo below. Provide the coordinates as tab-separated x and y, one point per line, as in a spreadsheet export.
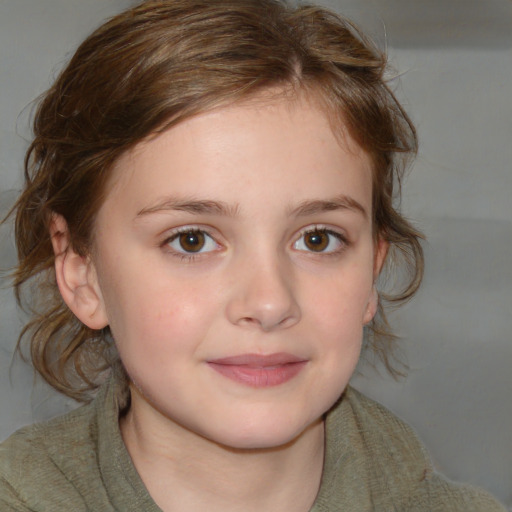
389	441
437	494
385	432
401	468
35	462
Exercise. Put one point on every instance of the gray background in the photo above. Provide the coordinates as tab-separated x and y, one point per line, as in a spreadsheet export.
455	62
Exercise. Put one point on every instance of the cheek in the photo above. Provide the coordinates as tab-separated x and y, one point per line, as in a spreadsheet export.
151	315
339	312
345	296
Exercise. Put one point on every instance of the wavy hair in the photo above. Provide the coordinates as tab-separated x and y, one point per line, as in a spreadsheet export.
151	67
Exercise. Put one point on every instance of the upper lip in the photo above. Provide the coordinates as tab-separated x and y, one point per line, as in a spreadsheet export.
259	360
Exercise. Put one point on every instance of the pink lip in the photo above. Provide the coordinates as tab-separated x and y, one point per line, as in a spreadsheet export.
259	371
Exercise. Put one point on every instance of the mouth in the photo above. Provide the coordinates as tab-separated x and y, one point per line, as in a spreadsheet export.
259	371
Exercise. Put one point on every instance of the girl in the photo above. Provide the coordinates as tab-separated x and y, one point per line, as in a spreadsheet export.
207	208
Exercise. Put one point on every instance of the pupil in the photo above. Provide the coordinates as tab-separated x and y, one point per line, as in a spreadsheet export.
317	241
192	242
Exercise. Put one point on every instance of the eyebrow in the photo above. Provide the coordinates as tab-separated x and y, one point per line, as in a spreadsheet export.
342	202
211	207
194	206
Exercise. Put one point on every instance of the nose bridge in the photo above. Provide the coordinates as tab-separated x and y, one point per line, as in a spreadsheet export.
263	293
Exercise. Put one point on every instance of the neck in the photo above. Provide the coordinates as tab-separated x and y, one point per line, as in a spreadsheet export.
184	471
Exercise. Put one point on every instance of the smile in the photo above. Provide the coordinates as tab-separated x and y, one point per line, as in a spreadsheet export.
259	371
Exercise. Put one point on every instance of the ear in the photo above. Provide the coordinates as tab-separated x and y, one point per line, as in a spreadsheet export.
381	251
76	278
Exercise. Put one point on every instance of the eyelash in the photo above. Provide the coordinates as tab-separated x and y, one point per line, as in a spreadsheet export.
186	256
193	256
342	239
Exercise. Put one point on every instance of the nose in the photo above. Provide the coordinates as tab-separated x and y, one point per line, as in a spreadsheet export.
263	296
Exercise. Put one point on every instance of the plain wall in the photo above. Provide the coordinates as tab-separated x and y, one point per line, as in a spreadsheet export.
455	333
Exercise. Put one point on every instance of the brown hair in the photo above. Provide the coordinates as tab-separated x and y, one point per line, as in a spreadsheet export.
155	65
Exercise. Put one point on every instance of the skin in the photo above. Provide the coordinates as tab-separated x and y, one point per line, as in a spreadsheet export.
261	182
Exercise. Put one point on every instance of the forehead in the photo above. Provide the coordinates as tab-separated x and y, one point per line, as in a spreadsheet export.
285	147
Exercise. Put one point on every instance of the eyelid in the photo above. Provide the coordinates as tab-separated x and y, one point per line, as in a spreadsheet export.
321	228
173	234
186	228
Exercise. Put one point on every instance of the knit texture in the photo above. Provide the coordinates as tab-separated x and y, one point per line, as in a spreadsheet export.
78	462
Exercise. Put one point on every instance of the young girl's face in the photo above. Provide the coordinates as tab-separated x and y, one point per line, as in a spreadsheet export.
235	264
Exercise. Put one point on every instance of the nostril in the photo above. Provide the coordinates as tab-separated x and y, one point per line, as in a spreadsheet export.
267	324
288	321
263	324
249	320
263	307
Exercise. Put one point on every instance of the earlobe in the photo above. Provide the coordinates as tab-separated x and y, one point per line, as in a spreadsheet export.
372	306
381	251
76	278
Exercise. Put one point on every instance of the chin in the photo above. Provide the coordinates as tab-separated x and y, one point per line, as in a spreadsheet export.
261	436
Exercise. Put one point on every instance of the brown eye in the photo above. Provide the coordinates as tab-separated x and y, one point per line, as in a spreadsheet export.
320	240
192	241
316	241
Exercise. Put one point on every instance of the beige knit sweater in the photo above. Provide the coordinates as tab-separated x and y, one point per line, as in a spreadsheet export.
78	462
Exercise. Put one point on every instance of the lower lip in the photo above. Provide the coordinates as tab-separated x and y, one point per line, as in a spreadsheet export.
264	377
